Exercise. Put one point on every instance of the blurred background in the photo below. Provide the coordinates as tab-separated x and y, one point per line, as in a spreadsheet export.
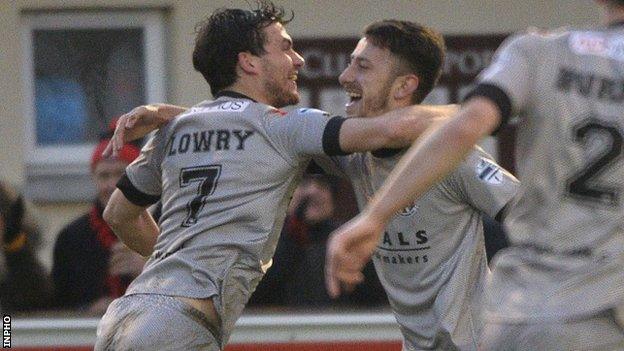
69	67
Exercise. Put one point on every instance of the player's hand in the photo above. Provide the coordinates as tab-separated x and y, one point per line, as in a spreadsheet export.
349	248
124	261
138	123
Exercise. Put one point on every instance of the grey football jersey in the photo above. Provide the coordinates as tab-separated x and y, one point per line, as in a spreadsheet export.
567	221
225	171
431	259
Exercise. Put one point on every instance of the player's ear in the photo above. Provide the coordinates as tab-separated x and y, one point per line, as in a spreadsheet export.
405	86
248	62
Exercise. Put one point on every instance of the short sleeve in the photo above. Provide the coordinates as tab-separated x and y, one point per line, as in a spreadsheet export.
508	80
482	183
141	184
305	132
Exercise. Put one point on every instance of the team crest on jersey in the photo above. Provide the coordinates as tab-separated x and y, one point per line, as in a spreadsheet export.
597	44
409	210
489	172
312	110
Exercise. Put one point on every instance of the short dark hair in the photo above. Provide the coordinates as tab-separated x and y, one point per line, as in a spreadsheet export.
421	48
228	32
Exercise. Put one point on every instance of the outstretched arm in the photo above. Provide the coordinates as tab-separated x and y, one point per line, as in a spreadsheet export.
434	157
139	122
395	129
426	162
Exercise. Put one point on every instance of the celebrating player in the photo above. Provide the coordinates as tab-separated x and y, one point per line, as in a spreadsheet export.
561	285
431	259
224	172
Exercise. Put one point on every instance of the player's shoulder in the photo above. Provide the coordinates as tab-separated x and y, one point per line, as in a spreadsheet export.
480	165
308	112
296	115
534	38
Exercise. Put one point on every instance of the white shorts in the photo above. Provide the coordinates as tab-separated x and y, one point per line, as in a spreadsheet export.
154	322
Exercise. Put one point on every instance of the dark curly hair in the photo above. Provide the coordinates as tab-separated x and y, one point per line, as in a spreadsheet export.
421	48
228	32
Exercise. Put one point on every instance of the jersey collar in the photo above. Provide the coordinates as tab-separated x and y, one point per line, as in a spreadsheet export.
232	94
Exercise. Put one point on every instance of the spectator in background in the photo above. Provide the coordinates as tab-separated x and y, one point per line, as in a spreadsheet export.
91	267
25	285
296	277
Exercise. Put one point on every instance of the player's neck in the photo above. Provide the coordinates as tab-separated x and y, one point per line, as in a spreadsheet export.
394	104
248	90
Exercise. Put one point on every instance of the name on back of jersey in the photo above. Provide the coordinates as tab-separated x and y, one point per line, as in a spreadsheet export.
207	141
590	85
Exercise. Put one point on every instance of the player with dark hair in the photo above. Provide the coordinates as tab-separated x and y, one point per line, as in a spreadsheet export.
560	286
418	50
431	259
243	31
224	171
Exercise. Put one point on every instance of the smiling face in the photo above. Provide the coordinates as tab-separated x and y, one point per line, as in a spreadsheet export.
280	67
368	80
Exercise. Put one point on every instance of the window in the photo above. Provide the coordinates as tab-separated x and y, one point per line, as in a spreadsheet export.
81	70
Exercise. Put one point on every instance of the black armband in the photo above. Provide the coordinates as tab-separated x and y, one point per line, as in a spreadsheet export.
498	96
135	195
331	137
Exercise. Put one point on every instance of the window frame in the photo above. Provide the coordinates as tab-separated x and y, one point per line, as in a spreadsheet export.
61	173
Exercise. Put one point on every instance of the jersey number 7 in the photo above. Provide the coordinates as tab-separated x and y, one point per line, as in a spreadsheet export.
207	177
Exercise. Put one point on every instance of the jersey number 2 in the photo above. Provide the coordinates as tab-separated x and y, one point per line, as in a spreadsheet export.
207	177
581	185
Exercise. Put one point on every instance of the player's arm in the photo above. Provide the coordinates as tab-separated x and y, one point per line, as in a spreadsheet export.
505	86
441	151
139	122
139	187
434	156
395	129
132	223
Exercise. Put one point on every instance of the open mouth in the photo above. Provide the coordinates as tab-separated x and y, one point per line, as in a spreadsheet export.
354	97
352	106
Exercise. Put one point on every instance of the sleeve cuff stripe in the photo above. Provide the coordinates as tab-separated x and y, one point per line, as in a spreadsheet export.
133	194
498	96
331	137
